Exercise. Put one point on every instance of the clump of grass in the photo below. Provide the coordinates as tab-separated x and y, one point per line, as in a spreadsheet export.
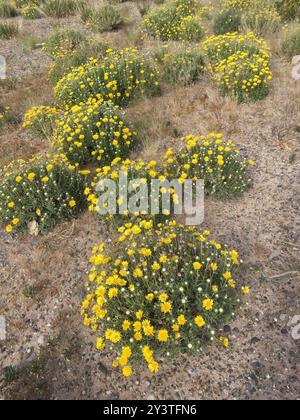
60	8
103	19
227	21
288	9
8	30
291	44
7	9
184	66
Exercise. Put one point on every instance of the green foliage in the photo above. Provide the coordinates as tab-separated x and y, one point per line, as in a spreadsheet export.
102	19
184	66
63	41
7	9
227	21
291	44
8	30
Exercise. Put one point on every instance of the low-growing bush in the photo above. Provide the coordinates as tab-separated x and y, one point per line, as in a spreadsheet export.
105	18
93	132
160	293
66	63
175	20
8	30
7	9
240	64
288	9
40	191
63	42
184	66
291	44
216	161
39	120
261	19
31	12
118	77
229	20
60	8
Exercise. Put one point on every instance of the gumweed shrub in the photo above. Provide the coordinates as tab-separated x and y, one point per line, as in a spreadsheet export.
63	42
240	64
118	77
93	132
161	292
42	190
176	20
104	18
40	120
288	9
31	11
214	160
138	174
184	66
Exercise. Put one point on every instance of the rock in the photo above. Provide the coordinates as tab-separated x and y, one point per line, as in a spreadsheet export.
227	329
255	340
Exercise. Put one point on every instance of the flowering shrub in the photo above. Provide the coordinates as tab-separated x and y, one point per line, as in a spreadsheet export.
288	9
229	20
93	132
63	42
162	292
184	66
31	11
139	173
39	120
240	65
118	77
175	20
212	159
40	191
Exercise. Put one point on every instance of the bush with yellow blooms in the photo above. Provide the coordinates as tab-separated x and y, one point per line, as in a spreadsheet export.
118	77
93	132
42	190
161	292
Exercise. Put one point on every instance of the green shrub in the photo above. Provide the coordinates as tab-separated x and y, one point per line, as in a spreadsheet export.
118	78
39	120
60	8
159	293
41	191
227	21
7	9
288	9
8	30
66	63
105	18
184	66
62	42
291	44
31	12
175	20
93	132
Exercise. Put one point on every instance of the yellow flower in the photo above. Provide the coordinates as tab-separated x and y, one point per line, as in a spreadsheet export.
162	335
126	325
208	304
72	203
197	266
153	366
19	179
113	292
139	314
100	344
166	307
150	297
31	176
9	228
45	179
163	297
11	205
138	336
199	321
231	283
156	266
137	273
127	371
214	266
227	275
246	290
38	212
16	221
181	320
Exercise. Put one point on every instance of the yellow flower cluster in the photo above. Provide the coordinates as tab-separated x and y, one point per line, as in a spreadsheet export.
92	132
40	190
40	119
118	77
176	20
162	291
240	64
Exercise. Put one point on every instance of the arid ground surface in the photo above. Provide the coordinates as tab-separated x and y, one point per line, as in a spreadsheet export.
47	352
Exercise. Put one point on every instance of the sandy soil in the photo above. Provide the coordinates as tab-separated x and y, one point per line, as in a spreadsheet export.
49	354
